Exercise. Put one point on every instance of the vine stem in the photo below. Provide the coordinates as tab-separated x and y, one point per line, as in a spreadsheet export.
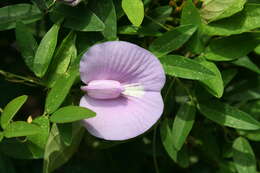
17	78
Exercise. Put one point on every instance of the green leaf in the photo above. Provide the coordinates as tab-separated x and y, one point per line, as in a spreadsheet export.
227	115
172	40
11	14
79	18
71	113
179	157
190	14
6	164
244	90
105	10
56	152
18	149
214	84
64	55
228	75
21	128
182	124
247	63
134	9
26	43
41	138
227	48
244	157
178	66
11	109
241	22
1	136
59	91
45	51
219	9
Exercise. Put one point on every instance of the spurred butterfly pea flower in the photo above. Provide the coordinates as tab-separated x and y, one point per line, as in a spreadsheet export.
123	84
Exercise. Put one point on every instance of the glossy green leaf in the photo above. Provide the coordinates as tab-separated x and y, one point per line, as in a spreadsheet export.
79	18
241	22
45	51
172	40
26	43
214	84
11	14
21	128
179	157
178	66
65	53
190	14
227	115
244	157
11	109
1	136
18	149
105	10
219	9
71	113
182	124
247	63
41	138
230	48
228	75
134	9
59	91
244	90
56	152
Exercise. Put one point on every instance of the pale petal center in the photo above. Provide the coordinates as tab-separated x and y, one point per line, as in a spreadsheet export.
103	89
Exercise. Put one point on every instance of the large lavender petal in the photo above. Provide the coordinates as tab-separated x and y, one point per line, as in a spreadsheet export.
124	117
123	62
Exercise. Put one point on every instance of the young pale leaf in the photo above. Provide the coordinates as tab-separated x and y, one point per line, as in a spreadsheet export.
21	128
247	63
219	9
79	18
105	10
230	48
41	138
182	124
45	51
214	84
241	22
227	115
59	91
178	66
172	40
71	113
56	152
244	157
26	43
11	14
134	9
11	109
179	157
65	53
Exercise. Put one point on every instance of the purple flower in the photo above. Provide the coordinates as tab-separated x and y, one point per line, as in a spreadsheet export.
123	88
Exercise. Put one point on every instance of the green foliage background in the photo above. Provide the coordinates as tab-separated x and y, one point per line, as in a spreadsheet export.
210	52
